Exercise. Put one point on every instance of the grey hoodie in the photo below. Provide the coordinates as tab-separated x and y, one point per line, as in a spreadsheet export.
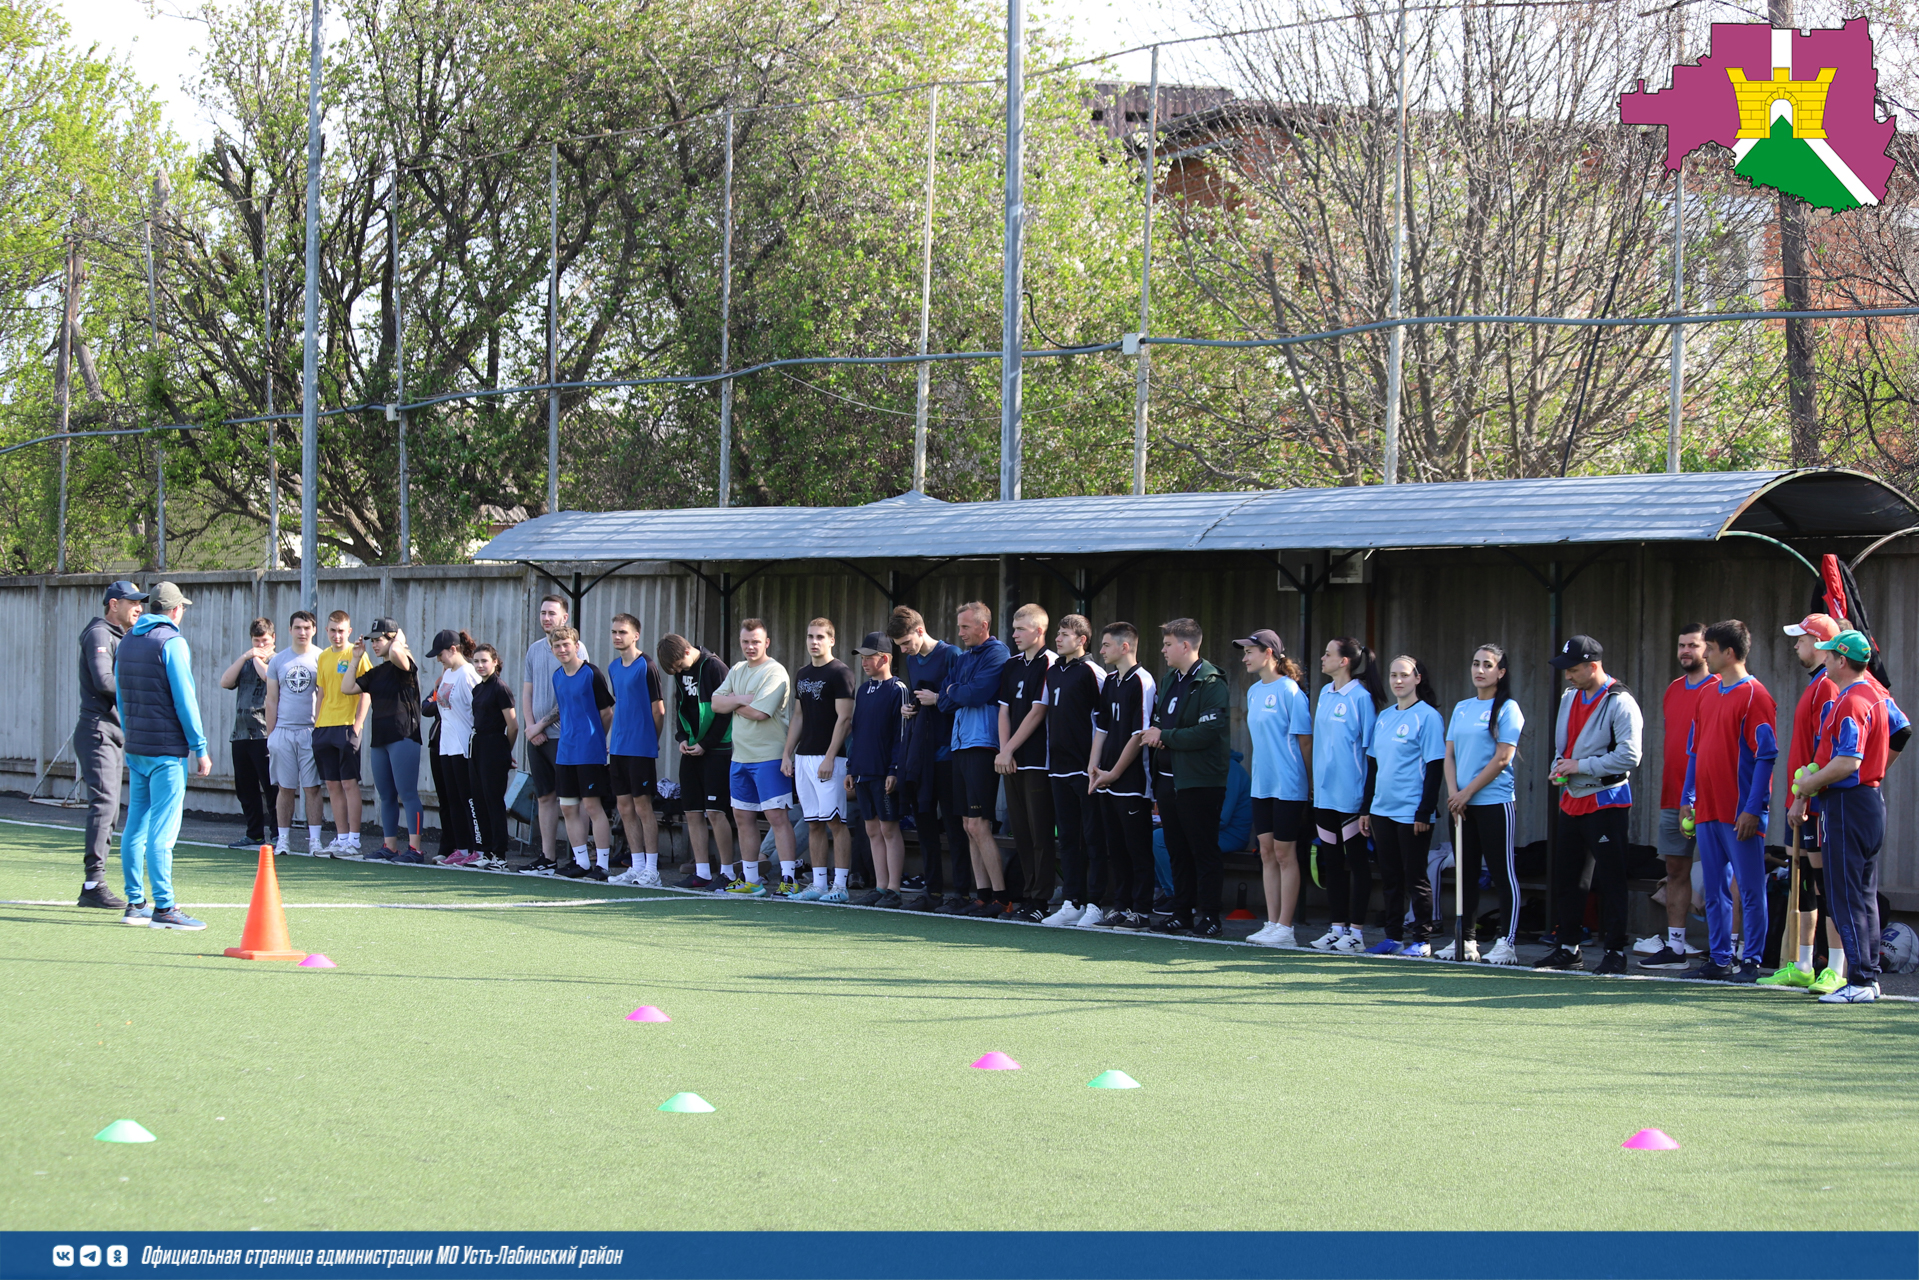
1608	745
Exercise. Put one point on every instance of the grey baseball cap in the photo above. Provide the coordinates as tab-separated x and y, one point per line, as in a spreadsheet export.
165	596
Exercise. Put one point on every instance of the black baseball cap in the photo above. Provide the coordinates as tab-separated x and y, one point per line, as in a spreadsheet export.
875	642
384	627
445	640
124	590
1265	638
1577	650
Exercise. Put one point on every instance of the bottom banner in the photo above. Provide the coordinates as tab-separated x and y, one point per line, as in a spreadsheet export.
958	1255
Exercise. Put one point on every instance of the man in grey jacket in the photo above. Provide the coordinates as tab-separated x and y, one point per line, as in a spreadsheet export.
99	743
1595	748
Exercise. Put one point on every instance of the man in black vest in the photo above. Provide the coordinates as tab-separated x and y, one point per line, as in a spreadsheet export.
160	712
99	746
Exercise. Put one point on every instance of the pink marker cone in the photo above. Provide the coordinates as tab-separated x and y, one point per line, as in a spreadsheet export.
647	1013
996	1061
1650	1140
317	961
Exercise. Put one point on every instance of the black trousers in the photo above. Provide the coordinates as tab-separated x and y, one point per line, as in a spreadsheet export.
1127	825
1343	870
490	763
101	749
1486	832
1082	848
934	812
1029	811
1855	830
1603	835
253	783
1190	819
459	822
1403	872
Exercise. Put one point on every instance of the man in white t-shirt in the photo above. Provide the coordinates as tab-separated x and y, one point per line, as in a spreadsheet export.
293	688
758	695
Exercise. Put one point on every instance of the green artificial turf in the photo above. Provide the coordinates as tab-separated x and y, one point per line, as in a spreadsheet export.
474	1069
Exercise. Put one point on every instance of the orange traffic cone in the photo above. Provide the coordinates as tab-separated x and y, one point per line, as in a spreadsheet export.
265	935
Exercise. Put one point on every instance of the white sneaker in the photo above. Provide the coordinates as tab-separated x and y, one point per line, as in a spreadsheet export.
1446	952
1852	994
335	847
1068	913
1502	953
1259	934
1328	941
650	880
633	877
1351	944
1279	935
280	849
1090	917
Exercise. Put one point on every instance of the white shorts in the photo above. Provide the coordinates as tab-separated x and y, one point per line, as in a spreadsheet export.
290	758
820	801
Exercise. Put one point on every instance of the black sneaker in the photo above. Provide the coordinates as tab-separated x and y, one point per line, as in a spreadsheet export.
538	867
102	897
924	902
696	882
1612	962
1209	927
1707	971
1560	958
1743	972
871	898
1664	958
890	899
955	905
572	871
987	909
379	853
247	842
1172	926
596	873
1128	920
1030	912
913	884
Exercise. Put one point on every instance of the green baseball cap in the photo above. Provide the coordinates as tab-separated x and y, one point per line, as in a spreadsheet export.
1852	644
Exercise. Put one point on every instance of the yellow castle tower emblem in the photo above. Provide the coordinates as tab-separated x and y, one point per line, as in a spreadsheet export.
1807	98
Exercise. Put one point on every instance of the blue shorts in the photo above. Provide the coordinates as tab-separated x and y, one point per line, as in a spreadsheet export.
875	800
759	786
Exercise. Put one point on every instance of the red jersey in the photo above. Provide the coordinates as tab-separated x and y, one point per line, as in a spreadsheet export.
1733	749
1676	711
1807	717
1614	797
1858	725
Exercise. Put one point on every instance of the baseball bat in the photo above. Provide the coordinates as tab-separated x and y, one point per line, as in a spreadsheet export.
1459	888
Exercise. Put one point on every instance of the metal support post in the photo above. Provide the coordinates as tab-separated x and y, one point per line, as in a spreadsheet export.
553	335
399	367
310	360
273	456
159	450
926	300
1149	167
1011	267
1389	465
1678	378
63	393
726	320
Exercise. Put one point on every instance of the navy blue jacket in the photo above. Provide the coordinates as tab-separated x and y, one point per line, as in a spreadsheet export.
931	728
153	678
876	742
971	693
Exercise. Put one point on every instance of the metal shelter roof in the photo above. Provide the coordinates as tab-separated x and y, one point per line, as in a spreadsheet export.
1692	507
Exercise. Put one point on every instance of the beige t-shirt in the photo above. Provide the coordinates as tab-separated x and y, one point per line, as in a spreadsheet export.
770	688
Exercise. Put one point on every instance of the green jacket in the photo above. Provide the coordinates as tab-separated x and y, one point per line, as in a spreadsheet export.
1196	732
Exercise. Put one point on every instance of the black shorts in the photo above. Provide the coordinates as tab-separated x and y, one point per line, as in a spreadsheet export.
975	784
875	800
540	762
703	781
634	775
1283	820
583	781
336	753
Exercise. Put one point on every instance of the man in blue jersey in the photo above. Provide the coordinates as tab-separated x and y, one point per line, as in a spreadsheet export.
639	709
582	713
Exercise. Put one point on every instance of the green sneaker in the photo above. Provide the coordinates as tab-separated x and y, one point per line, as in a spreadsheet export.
789	889
1826	983
1787	975
742	889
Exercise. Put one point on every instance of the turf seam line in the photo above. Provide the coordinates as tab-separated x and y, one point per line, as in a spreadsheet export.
382	906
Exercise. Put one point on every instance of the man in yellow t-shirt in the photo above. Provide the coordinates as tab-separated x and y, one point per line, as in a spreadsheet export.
337	721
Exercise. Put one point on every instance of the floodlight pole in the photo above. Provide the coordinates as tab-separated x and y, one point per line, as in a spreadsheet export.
926	300
159	450
273	457
399	366
1389	466
1011	265
1148	162
726	320
63	392
1678	380
310	358
553	334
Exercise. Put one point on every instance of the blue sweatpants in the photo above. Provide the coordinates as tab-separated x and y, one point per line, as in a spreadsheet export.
1721	858
1855	822
156	791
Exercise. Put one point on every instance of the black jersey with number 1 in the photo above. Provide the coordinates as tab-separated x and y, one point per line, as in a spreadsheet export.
1072	698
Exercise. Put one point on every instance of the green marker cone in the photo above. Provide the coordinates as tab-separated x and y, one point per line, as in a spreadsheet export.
689	1102
124	1131
1112	1080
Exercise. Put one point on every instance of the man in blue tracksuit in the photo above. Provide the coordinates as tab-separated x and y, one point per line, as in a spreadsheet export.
971	694
926	764
160	712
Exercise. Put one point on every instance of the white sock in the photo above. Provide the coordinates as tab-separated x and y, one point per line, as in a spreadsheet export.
91	884
786	869
286	835
726	869
602	856
652	862
752	870
579	854
819	877
313	836
840	877
1737	950
1805	959
1836	960
1676	938
704	870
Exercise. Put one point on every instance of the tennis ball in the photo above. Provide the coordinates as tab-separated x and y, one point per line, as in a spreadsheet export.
1686	825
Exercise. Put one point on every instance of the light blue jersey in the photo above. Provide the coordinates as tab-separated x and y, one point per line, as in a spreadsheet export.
1277	715
1404	743
1473	746
1342	730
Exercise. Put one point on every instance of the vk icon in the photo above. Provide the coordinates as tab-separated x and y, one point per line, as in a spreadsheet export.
62	1255
89	1255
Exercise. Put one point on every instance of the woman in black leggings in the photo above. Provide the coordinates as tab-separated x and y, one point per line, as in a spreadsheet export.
495	725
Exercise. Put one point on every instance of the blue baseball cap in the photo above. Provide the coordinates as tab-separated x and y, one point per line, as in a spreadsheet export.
124	590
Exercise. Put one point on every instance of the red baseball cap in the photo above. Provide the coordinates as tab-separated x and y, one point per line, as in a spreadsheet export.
1817	625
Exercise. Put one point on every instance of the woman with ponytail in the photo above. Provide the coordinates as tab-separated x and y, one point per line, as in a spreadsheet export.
1343	722
1402	802
1481	741
453	700
1279	721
